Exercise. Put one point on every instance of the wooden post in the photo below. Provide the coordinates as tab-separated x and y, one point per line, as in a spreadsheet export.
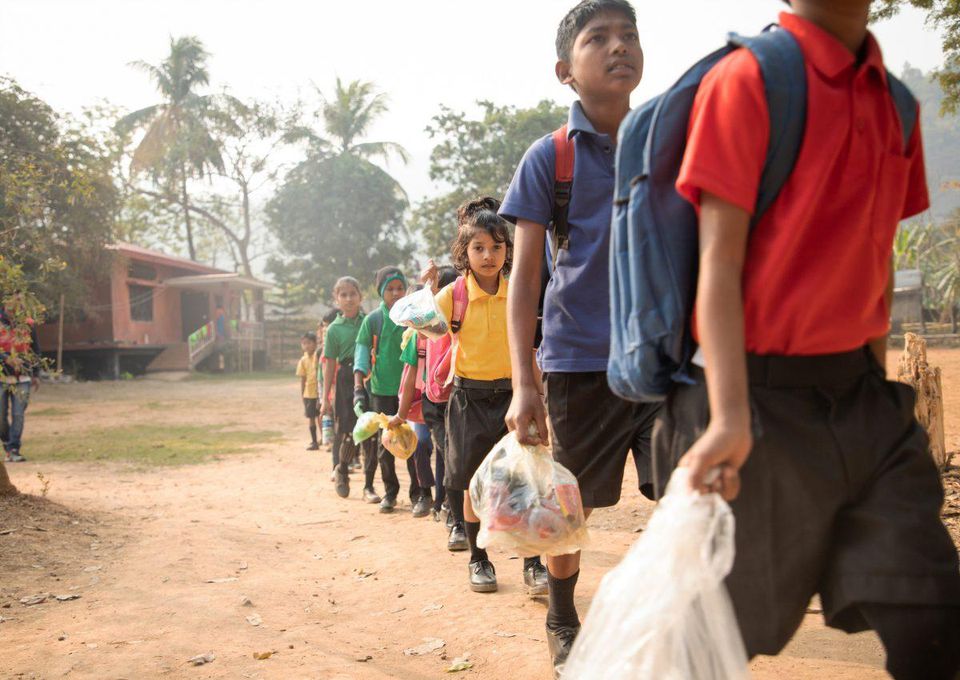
60	337
916	372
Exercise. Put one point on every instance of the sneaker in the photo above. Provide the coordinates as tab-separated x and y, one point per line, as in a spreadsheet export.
451	520
457	541
343	485
15	457
535	579
387	505
560	642
313	446
370	496
422	507
483	577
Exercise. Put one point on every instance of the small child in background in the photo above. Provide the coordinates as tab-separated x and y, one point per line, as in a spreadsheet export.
307	372
326	420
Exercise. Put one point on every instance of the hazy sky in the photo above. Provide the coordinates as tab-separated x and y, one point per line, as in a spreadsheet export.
421	52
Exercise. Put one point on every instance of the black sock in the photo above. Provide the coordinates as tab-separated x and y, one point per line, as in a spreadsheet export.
456	504
530	561
476	554
562	611
313	433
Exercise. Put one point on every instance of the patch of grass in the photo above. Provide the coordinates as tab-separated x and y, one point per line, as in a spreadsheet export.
156	405
229	377
149	445
51	412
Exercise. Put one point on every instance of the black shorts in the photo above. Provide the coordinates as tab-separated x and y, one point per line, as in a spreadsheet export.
592	431
839	496
435	417
311	408
475	423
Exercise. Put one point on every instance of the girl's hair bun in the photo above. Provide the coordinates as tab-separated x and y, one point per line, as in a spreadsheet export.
467	212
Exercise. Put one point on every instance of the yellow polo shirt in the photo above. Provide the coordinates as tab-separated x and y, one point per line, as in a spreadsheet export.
307	368
483	352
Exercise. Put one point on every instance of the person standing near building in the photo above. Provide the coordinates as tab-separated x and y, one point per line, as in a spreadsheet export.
19	377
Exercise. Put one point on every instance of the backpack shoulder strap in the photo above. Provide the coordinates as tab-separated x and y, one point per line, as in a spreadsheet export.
906	105
375	319
785	79
562	187
460	301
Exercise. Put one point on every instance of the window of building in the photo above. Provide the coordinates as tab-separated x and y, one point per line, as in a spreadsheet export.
141	270
141	302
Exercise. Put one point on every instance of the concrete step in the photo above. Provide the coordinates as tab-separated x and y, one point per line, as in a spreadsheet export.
172	358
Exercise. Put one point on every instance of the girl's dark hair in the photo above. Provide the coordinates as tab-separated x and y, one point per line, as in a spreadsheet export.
330	316
344	281
309	335
445	276
475	216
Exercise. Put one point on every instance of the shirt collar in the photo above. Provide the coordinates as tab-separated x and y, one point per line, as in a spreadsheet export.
475	292
827	54
577	121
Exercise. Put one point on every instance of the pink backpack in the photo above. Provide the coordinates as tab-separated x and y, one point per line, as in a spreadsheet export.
436	358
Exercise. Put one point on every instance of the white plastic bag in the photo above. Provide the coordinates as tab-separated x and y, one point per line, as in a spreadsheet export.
664	611
419	311
527	503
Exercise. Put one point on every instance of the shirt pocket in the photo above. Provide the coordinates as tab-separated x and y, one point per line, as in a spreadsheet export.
890	192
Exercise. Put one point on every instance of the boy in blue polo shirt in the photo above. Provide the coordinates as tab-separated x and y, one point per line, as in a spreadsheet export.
600	57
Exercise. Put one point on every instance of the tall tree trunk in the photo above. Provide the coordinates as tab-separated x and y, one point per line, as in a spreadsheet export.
6	486
185	203
258	314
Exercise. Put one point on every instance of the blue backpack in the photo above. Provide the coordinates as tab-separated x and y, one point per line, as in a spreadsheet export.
654	246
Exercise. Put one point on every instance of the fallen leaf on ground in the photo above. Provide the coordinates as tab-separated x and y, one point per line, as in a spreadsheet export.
5	532
503	634
229	579
357	538
429	645
459	665
243	566
26	526
92	569
245	601
67	598
2	619
202	659
254	620
262	656
398	610
364	659
431	608
362	574
34	599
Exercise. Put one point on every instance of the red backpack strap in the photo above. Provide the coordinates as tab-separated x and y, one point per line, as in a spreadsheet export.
460	301
562	188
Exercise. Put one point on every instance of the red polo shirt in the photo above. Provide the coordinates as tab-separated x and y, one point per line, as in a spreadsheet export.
818	262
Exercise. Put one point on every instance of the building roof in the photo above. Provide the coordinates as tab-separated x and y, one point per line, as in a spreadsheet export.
219	281
156	257
907	279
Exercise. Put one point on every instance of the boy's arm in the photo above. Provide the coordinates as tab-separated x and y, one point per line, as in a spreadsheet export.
329	370
726	444
526	407
879	345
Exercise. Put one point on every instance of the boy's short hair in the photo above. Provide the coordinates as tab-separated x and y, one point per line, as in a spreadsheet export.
309	335
579	16
330	317
446	275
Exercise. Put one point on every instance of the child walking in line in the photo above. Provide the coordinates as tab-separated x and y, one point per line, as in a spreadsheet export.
307	372
832	485
338	350
483	253
322	327
377	360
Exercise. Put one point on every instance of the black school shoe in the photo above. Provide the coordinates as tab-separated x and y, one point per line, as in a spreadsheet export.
560	642
313	446
535	579
343	483
483	577
370	496
457	540
422	507
387	505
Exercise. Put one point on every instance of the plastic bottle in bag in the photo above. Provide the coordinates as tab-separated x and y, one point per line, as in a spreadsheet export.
664	611
527	502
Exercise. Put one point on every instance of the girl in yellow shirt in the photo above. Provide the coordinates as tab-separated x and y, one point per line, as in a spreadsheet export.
483	253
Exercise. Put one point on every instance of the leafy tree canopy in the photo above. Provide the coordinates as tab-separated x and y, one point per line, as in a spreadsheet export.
476	157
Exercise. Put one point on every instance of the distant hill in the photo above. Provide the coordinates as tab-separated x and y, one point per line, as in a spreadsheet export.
941	142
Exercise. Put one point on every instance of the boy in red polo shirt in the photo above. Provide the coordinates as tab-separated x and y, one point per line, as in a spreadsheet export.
833	489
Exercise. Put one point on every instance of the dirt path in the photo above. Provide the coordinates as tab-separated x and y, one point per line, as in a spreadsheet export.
340	590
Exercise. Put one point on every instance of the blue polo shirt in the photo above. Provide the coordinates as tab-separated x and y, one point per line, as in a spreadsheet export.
576	308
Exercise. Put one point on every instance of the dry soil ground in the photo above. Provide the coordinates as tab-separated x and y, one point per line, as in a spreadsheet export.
253	553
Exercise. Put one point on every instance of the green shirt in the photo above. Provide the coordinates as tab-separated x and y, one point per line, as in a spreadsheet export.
341	339
385	381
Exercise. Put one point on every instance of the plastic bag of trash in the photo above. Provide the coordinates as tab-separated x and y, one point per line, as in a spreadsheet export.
419	311
527	502
664	611
368	424
401	441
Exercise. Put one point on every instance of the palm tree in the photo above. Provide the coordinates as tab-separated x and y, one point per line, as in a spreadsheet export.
178	143
346	119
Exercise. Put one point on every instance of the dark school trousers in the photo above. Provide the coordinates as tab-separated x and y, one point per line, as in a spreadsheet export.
344	450
388	470
435	417
839	497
